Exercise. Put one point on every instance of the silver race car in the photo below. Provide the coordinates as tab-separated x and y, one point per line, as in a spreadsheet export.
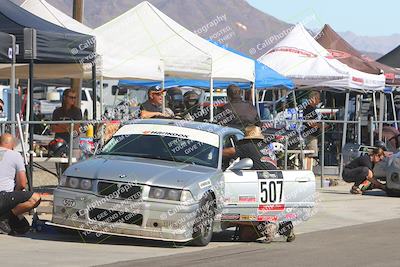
167	180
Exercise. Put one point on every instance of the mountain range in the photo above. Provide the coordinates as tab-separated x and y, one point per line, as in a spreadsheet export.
234	23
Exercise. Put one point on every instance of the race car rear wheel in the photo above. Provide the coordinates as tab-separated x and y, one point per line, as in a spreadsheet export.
203	224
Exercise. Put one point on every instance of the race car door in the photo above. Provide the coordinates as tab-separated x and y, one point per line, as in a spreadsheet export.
268	195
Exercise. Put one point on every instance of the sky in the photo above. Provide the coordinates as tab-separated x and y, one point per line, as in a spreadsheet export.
369	18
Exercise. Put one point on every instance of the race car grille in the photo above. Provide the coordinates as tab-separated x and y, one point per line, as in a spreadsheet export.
118	190
111	216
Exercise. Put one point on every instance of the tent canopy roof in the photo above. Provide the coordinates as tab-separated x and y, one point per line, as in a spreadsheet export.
108	65
54	44
265	76
392	58
301	58
153	34
47	12
345	53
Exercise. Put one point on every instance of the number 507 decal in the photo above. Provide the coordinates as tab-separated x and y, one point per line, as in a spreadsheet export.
271	191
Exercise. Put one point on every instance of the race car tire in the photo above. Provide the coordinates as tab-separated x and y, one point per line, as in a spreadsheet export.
203	224
392	192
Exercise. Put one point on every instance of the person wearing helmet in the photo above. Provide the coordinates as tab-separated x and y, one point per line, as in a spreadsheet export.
14	200
192	107
152	108
359	171
175	100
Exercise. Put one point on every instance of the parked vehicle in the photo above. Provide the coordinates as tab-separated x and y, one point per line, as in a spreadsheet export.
164	180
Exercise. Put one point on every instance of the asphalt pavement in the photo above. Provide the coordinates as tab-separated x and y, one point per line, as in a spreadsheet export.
367	245
345	230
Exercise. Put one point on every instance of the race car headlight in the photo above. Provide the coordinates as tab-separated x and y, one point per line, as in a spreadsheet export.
85	184
165	193
75	183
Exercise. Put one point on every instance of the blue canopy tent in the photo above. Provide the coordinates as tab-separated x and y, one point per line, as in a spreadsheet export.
265	78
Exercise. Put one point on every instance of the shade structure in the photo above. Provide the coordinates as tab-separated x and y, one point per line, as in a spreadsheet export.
392	58
148	32
345	53
41	42
46	11
54	44
265	78
299	57
109	66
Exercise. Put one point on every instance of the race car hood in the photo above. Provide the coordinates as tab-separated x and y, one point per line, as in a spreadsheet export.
142	171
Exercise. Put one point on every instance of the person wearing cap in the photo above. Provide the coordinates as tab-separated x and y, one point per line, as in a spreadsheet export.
254	147
152	108
238	112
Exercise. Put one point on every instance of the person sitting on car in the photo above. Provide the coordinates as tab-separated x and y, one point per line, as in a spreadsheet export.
237	113
14	200
254	147
152	108
359	171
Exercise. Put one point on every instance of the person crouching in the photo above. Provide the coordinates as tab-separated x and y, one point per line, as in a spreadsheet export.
14	201
360	170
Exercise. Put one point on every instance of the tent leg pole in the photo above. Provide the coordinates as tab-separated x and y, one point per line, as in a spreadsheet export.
94	100
31	85
12	86
394	111
381	112
211	100
346	111
101	97
253	93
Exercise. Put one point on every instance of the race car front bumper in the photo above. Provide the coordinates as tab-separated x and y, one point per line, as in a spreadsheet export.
147	219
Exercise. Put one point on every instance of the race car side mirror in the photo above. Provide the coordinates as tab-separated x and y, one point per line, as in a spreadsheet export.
243	164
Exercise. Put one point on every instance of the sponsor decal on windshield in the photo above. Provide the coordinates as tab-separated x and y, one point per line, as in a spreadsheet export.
165	134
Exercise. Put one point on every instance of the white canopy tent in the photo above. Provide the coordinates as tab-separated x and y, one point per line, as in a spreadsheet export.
47	12
147	31
301	58
109	65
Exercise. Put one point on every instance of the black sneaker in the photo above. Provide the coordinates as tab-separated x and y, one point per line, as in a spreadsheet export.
5	228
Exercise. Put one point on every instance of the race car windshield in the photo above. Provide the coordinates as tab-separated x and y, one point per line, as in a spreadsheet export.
164	148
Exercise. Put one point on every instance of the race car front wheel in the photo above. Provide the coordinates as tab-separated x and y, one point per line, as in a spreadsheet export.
203	224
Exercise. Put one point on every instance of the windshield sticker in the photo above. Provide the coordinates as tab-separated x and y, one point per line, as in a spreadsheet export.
195	135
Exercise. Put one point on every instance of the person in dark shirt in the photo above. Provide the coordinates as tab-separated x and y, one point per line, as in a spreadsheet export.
237	113
360	169
253	146
67	112
152	108
311	129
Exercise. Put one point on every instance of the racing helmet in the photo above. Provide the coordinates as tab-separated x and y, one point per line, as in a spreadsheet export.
57	148
191	99
175	100
381	144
